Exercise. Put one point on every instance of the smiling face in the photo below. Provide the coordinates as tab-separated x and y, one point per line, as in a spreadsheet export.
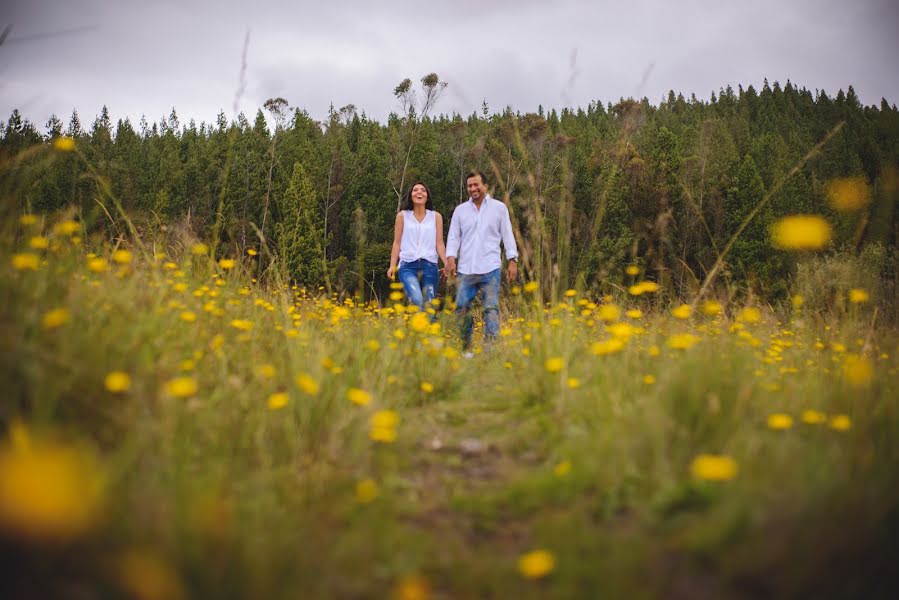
476	188
419	194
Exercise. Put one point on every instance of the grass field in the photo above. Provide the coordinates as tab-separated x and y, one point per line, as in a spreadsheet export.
174	430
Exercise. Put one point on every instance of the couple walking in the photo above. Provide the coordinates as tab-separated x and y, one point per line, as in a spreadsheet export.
472	250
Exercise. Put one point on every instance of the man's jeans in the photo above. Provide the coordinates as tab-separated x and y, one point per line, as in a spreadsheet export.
420	279
470	287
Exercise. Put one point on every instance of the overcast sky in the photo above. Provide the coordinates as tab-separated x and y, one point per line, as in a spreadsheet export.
141	57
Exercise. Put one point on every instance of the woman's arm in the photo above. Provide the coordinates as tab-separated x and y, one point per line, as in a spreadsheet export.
441	247
397	239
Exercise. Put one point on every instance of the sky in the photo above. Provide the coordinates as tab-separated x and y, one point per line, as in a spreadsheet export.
145	58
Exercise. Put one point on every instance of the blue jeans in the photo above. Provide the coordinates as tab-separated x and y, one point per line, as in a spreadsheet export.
470	287
420	279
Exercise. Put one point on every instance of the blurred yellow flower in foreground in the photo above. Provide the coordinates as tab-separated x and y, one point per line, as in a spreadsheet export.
813	417
858	296
531	286
711	308
749	314
278	400
117	382
242	324
48	491
840	422
801	232
682	312
123	257
28	219
605	347
573	383
798	301
858	370
146	576
182	387
199	249
643	287
536	564
632	270
64	144
780	421
570	293
358	396
307	384
412	587
848	194
714	467
67	227
383	426
554	365
227	263
427	387
98	264
419	322
609	313
649	379
38	243
26	261
562	469
366	491
682	341
634	313
56	318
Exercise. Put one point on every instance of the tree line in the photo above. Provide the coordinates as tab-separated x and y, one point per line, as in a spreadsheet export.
591	190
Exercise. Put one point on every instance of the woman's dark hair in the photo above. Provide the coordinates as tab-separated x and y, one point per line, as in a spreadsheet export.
407	200
477	174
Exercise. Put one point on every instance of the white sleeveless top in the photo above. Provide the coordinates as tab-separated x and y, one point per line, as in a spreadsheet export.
419	239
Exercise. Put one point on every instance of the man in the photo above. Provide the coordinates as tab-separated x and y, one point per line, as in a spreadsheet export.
476	230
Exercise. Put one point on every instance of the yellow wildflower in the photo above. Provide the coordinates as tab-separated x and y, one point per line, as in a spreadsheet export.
56	318
531	286
801	232
366	491
123	257
813	417
251	252
117	382
798	301
419	322
307	384
682	341
572	383
632	270
278	400
67	227
711	308
227	263
840	422
605	347
780	421
27	219
554	365
242	324
536	564
682	312
649	379
358	396
712	467
608	313
182	387
383	426
634	313
188	316
858	296
266	371
426	387
199	249
38	243
25	261
98	264
858	370
749	314
570	293
562	469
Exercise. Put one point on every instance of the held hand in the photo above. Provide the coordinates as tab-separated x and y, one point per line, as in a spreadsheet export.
512	271
449	269
391	273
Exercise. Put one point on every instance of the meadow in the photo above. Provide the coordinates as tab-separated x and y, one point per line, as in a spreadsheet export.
174	427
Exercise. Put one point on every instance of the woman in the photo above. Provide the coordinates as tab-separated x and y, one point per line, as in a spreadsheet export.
417	244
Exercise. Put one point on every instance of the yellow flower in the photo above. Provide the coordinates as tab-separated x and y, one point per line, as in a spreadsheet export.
123	257
251	252
399	334
383	426
25	261
182	387
848	194
649	379
780	421
749	314
307	384
266	371
813	417
28	219
536	564
608	313
621	330
188	317
396	285
573	383
117	382
242	324
554	365
858	370
840	422
98	264
67	227
798	301
516	290
712	467
858	296
682	341
358	396
278	400
366	491
227	263
412	587
426	387
48	491
64	144
682	312
643	287
199	249
38	243
531	286
419	322
801	232
711	308
634	313
562	469
605	347
373	345
396	296
570	293
632	270
654	350
56	318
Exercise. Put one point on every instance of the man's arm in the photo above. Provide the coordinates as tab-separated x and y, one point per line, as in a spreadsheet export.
509	245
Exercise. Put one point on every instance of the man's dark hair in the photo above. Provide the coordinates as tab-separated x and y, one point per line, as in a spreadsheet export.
476	174
407	200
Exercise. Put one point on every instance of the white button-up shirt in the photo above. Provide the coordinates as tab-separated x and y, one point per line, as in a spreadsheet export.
474	236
